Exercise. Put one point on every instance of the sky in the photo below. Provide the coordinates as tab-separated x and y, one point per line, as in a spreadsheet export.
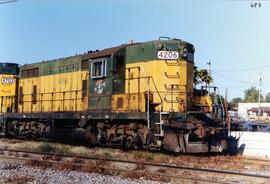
230	33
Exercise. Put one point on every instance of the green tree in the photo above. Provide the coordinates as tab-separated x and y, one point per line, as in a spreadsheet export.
252	95
201	76
267	97
234	102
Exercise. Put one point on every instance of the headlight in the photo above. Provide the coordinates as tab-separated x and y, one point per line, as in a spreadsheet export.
160	46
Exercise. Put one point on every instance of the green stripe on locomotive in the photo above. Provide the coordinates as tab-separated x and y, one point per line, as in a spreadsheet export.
148	51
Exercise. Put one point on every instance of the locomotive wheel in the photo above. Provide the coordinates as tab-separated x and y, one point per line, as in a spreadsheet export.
110	143
150	139
128	142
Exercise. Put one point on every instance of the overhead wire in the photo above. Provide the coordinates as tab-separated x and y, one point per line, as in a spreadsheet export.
244	69
243	82
240	81
7	1
234	79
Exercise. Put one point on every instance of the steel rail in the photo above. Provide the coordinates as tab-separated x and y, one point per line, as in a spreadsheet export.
122	170
144	163
245	160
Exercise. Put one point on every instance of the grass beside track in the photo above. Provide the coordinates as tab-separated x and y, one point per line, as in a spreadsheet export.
223	162
202	168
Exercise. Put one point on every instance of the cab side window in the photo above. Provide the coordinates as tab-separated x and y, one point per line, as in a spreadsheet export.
98	68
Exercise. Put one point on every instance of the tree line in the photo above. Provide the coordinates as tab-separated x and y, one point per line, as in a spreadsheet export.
251	96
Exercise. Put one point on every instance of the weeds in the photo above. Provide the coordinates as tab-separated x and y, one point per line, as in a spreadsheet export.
63	149
80	150
47	148
132	174
38	163
51	148
68	166
108	155
138	155
139	167
150	157
159	157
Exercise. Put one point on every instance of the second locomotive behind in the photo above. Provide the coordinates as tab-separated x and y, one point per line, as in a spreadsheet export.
138	95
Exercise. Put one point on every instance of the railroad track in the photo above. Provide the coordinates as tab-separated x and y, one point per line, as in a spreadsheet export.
206	158
150	170
246	161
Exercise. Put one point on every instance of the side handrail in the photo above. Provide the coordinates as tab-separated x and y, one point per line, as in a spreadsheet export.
161	100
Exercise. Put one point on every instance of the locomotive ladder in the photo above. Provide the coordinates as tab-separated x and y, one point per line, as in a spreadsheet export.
172	89
161	122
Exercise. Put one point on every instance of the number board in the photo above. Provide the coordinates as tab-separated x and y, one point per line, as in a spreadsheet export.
162	54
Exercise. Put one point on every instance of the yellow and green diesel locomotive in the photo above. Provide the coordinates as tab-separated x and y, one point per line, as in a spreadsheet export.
8	73
138	95
8	88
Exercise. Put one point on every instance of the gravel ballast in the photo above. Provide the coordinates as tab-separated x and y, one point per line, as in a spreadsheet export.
17	173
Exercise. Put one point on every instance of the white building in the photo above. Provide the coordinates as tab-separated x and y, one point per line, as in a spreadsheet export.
249	111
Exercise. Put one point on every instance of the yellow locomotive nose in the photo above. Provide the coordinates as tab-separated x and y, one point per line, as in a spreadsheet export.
8	72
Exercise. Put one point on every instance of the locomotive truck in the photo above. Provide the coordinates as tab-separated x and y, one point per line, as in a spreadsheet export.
133	96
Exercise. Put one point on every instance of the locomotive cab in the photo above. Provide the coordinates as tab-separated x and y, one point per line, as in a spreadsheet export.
8	74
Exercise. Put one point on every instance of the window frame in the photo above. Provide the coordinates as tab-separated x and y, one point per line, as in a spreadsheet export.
34	95
85	65
30	72
103	68
84	88
20	95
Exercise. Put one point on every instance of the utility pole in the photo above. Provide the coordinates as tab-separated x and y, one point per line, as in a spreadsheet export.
209	68
209	73
228	120
259	98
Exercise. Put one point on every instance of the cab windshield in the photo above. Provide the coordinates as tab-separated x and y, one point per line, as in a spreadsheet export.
9	68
